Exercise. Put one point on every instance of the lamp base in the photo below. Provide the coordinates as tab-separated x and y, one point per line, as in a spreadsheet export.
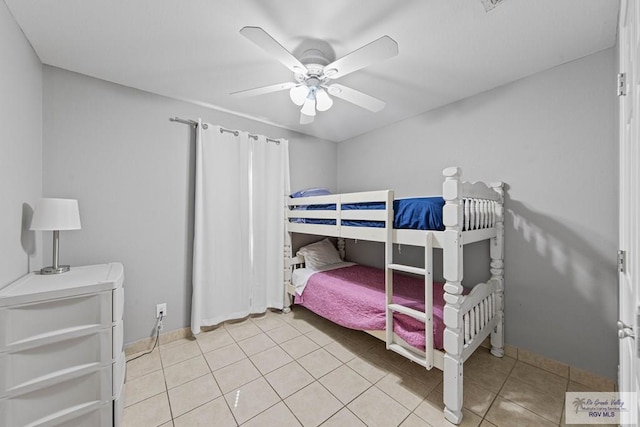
54	270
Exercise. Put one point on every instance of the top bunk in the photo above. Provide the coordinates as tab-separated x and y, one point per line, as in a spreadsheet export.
470	208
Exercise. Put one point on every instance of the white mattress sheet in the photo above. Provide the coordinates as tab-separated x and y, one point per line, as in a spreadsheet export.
300	276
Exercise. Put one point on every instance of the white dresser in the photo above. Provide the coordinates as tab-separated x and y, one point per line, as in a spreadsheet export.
62	357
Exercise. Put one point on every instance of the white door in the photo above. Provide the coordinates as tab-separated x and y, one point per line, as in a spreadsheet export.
628	45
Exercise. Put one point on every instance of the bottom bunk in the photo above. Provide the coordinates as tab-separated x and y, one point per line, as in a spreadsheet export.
354	296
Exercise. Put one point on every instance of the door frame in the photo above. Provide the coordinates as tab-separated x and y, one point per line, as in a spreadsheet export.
629	201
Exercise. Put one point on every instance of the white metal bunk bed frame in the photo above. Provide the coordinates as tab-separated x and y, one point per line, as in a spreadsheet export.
472	212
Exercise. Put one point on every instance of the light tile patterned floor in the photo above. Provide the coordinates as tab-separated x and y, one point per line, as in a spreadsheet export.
301	370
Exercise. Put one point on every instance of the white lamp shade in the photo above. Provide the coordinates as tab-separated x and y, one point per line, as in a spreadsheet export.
56	214
323	101
298	94
309	107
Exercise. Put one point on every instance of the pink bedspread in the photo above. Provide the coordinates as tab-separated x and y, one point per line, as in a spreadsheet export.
354	298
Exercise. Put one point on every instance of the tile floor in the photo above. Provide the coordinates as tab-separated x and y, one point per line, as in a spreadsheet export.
301	370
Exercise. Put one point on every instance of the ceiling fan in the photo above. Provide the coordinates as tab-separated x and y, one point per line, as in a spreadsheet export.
314	70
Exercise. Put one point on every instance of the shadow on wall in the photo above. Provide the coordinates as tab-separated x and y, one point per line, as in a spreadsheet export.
27	237
559	290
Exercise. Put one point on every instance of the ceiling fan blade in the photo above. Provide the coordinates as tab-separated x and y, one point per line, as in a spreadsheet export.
358	98
261	38
378	50
263	90
305	120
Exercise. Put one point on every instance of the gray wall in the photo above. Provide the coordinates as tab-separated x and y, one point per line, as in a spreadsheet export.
20	149
115	150
551	138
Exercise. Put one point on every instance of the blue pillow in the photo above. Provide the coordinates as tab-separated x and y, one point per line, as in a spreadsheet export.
308	192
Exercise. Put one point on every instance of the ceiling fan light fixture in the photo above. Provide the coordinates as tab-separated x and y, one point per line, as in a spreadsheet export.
309	107
298	94
323	101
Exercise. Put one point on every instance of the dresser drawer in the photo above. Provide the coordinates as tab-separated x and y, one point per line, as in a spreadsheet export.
100	416
54	362
59	402
28	324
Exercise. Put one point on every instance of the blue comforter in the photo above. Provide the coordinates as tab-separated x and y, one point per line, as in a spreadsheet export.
419	213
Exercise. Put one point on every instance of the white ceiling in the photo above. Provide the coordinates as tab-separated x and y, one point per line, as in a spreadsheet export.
192	50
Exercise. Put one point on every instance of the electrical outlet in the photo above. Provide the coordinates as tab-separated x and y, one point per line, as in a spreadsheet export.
161	309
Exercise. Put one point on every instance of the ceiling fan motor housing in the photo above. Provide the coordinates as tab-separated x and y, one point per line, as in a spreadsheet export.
315	61
314	56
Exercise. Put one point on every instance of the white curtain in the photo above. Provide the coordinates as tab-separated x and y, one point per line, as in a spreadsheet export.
239	231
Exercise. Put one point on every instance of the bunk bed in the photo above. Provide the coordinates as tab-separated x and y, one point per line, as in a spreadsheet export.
471	212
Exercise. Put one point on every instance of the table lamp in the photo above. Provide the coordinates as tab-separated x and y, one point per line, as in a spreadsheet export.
55	215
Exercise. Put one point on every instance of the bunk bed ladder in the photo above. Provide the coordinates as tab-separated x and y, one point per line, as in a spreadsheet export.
425	317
